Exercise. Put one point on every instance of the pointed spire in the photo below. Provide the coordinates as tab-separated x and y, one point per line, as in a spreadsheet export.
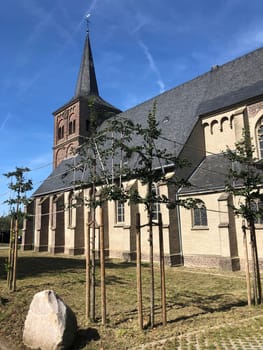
87	82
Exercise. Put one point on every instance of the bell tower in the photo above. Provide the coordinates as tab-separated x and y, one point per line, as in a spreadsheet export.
71	121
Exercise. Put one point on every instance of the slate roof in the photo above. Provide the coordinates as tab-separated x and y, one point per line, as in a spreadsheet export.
86	86
87	82
63	177
227	85
210	175
179	109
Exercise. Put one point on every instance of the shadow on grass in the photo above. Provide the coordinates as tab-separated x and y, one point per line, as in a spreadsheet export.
31	266
83	337
208	303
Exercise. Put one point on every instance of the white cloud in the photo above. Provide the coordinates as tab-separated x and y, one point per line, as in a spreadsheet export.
4	122
141	22
92	6
153	66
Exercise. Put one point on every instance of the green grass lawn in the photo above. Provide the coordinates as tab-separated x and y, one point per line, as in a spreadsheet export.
198	300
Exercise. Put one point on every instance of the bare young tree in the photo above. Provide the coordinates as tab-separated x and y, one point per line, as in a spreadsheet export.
148	163
19	185
245	179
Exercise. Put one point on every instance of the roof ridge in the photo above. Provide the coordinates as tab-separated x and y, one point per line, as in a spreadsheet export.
213	69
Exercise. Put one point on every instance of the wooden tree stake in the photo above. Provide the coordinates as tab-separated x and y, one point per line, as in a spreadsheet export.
102	270
246	264
87	253
139	270
162	269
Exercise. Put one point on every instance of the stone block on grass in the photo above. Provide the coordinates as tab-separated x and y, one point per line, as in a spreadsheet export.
50	324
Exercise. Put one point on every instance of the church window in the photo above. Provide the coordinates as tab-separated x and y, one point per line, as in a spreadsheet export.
70	209
53	211
199	215
120	212
260	141
155	204
72	127
257	207
61	132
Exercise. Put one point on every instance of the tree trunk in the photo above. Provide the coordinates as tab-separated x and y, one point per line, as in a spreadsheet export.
162	269
102	270
11	256
15	255
246	264
139	270
150	223
87	252
93	266
256	272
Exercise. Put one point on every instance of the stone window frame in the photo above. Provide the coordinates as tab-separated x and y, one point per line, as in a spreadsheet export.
259	137
259	220
72	127
119	212
199	216
156	209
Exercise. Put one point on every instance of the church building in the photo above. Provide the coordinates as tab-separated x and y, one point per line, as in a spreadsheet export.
198	119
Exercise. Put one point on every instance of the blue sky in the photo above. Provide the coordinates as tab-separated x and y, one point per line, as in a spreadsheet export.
140	48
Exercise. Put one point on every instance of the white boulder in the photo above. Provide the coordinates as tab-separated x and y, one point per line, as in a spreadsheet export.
50	324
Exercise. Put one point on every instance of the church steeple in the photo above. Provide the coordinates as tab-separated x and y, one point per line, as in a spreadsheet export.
72	121
87	82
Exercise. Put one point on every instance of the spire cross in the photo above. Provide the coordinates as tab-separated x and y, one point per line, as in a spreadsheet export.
88	21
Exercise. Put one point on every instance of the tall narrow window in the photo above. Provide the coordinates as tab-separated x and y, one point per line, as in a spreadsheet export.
199	215
120	213
260	141
257	207
61	132
155	204
53	211
70	209
72	127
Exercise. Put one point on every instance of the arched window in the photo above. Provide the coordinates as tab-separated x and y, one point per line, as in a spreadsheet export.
61	132
70	151
155	204
59	156
260	141
199	215
72	127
